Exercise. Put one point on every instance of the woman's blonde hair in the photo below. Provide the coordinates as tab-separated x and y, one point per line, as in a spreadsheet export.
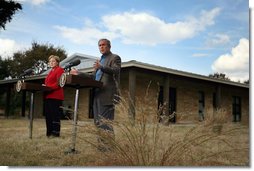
54	57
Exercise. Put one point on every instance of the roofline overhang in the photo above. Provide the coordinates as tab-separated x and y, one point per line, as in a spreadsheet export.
180	73
29	78
142	65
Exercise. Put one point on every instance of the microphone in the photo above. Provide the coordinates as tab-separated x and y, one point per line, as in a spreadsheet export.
73	63
27	72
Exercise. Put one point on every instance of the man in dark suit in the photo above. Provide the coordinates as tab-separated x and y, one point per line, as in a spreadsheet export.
106	70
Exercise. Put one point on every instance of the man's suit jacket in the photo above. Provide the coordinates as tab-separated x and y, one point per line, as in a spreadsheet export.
109	93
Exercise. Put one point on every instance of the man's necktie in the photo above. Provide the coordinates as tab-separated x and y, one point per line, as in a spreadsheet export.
99	72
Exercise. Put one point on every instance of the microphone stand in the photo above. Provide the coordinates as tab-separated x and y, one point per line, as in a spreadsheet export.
68	70
31	110
72	149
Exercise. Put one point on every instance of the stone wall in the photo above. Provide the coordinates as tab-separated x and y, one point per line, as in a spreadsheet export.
187	104
147	89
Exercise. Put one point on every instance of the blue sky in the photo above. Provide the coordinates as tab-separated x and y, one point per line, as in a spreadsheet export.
198	36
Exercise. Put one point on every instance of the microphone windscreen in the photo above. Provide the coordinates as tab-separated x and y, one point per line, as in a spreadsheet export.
28	71
75	62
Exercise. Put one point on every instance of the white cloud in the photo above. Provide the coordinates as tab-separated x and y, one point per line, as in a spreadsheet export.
141	28
8	47
86	35
38	2
35	2
200	55
218	40
236	64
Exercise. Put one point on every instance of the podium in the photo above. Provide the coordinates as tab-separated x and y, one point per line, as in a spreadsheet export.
31	87
77	82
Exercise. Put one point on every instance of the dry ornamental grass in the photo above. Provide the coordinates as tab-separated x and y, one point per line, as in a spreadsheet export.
143	142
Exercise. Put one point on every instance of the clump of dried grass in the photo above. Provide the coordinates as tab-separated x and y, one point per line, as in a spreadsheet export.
146	142
140	142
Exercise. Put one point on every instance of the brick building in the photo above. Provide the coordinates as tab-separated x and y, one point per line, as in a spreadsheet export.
187	94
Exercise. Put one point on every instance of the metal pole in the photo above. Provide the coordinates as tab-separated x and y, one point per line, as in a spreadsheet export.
74	129
31	114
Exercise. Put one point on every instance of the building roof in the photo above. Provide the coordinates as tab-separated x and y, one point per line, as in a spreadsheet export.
86	60
151	67
134	63
87	63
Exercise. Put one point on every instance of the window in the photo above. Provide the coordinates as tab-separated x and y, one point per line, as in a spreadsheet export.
201	105
160	103
160	97
91	97
172	101
236	111
214	100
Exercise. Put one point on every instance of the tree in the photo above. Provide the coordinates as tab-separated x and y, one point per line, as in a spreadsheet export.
21	61
7	10
37	55
3	69
4	72
247	82
219	76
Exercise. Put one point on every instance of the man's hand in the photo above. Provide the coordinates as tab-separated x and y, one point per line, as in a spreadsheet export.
97	65
74	71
